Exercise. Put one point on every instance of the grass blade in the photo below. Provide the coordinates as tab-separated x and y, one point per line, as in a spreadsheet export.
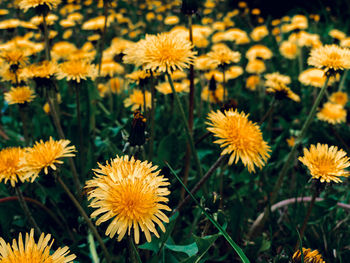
238	250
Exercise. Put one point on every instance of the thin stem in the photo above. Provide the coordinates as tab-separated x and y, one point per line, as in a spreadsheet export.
26	210
85	216
201	182
237	249
133	252
188	131
103	36
224	83
92	248
80	128
23	111
306	219
343	79
270	110
301	59
46	38
152	119
289	160
58	126
190	113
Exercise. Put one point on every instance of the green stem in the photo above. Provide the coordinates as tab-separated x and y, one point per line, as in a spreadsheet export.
23	111
26	210
301	59
46	38
58	126
92	248
289	160
86	217
238	250
133	252
188	131
306	219
80	128
152	119
343	79
103	36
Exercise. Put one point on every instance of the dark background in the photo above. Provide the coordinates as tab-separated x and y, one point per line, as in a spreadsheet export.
275	8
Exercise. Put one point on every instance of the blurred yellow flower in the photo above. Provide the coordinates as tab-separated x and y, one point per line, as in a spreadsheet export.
310	256
313	77
76	70
339	97
326	163
27	4
19	95
136	99
289	49
330	58
332	113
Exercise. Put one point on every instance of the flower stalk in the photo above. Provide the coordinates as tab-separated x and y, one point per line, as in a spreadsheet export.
187	129
85	216
26	210
255	231
46	39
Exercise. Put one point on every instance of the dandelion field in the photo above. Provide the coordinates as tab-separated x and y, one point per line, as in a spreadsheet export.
172	131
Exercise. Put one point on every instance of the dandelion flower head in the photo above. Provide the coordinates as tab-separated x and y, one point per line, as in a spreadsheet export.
325	163
19	95
132	194
163	52
241	138
28	251
48	154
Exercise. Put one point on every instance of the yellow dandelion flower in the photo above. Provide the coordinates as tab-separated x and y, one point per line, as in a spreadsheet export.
310	256
337	34
289	49
223	55
314	77
241	138
132	194
339	97
27	4
14	56
162	52
330	58
291	141
325	163
47	154
213	96
276	79
137	99
171	20
76	70
256	66
29	251
116	85
110	68
252	82
42	70
281	91
332	113
138	75
258	52
13	165
259	33
19	95
216	74
233	72
165	88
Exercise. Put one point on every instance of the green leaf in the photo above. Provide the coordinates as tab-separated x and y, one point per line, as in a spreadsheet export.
190	249
203	245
